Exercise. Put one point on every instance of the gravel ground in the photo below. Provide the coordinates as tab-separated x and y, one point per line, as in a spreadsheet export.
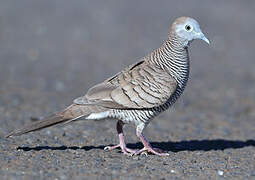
53	51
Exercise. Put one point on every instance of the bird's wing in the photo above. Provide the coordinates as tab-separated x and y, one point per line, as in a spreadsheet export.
139	86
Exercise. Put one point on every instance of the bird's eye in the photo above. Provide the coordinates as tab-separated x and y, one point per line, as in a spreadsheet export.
188	28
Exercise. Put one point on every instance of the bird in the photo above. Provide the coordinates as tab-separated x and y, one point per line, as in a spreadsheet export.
136	94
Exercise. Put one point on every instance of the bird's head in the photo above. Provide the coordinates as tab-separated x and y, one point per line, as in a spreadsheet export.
187	29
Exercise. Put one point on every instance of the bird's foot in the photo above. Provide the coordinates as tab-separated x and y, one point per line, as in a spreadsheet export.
149	149
124	149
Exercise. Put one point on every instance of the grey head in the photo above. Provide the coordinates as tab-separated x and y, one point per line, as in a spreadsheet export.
187	29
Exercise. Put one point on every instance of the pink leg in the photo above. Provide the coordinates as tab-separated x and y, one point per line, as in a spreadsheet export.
149	148
122	143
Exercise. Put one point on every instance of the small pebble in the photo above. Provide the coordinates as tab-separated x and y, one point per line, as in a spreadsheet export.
136	158
220	173
172	171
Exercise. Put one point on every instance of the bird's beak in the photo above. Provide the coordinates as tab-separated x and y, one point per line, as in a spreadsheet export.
202	37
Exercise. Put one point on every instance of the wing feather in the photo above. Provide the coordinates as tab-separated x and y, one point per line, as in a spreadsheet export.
139	86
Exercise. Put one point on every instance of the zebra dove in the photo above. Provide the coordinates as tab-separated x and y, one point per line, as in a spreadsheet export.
138	93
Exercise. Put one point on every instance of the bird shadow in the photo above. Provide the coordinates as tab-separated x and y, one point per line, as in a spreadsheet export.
58	148
199	145
192	145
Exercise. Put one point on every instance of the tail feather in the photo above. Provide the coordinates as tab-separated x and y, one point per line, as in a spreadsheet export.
71	113
49	121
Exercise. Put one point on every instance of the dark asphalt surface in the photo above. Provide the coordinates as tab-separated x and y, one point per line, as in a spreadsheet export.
52	51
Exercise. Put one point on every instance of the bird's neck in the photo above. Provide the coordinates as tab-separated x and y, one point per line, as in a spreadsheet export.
173	57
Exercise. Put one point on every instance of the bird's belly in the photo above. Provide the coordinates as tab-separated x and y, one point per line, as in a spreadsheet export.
100	115
133	116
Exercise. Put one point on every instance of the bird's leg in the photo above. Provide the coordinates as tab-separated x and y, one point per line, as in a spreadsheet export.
122	143
147	145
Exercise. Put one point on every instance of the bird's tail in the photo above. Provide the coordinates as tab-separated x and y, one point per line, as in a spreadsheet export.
71	113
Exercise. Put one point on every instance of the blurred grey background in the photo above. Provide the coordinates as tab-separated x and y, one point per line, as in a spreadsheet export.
64	47
52	51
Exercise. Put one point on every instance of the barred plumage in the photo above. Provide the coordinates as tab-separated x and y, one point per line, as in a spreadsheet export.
138	93
173	60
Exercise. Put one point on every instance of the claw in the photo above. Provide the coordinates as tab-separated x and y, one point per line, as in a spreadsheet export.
151	150
145	153
148	148
107	148
124	149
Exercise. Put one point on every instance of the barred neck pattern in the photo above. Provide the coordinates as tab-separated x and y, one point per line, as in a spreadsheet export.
173	57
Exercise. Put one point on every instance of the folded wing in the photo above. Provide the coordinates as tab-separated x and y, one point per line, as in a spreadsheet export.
139	86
